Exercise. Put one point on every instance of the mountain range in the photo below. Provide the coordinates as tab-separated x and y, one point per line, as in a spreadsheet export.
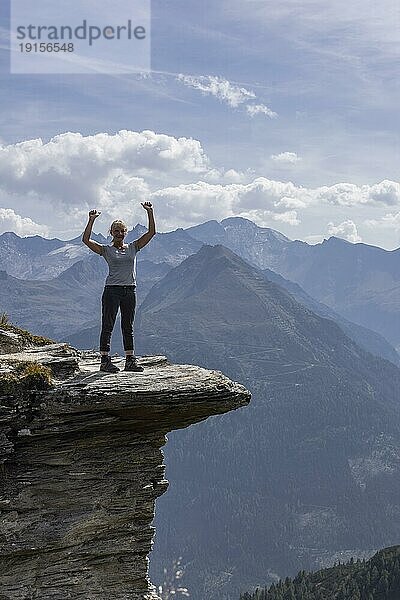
361	283
58	264
310	471
358	281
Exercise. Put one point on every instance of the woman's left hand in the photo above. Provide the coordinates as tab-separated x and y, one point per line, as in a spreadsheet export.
147	206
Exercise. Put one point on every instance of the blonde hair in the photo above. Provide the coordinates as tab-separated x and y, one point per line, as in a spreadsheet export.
118	222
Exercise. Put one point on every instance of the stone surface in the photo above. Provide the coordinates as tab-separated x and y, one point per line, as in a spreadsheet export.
82	468
10	342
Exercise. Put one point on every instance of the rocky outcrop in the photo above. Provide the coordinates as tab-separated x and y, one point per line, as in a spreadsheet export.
81	467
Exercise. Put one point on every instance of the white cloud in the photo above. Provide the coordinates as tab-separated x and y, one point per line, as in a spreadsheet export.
260	109
58	182
346	230
262	198
121	194
23	226
290	217
273	195
226	92
188	204
219	88
349	194
75	160
229	176
290	202
74	173
388	221
386	192
286	158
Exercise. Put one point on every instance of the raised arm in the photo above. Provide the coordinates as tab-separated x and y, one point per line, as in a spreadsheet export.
93	214
146	237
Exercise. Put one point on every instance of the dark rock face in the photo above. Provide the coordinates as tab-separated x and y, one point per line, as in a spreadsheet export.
82	467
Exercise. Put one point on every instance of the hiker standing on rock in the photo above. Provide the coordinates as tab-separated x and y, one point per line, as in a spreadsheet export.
120	285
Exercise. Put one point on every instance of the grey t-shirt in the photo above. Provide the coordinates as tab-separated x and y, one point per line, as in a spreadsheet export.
121	264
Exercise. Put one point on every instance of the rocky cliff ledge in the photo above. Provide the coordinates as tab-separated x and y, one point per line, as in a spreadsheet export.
81	467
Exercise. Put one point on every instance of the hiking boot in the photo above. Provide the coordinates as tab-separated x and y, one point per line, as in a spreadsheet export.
106	365
131	365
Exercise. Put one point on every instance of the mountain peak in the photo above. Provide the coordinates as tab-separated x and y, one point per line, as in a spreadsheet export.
214	253
247	224
198	274
241	221
10	235
336	240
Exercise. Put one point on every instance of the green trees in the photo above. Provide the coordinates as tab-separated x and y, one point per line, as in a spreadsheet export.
375	579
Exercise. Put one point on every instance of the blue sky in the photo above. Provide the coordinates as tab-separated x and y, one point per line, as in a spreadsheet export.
293	108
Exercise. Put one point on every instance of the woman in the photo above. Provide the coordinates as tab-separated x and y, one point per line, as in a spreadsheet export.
120	285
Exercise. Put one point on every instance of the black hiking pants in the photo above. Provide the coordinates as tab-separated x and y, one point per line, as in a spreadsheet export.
117	297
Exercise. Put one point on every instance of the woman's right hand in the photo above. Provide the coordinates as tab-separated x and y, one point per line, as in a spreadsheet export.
93	214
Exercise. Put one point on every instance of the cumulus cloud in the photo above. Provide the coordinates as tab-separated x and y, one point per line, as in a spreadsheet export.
260	109
226	92
290	158
61	180
349	194
72	158
23	226
75	172
261	199
228	176
188	204
386	192
346	230
121	193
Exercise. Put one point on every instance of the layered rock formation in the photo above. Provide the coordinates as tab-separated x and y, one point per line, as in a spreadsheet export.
81	467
